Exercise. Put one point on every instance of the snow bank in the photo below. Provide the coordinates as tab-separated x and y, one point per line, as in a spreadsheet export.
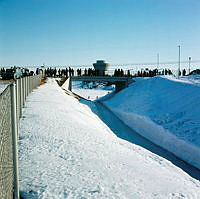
166	111
66	84
3	86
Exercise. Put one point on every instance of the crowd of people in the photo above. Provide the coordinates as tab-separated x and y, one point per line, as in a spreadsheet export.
69	72
151	73
121	73
53	72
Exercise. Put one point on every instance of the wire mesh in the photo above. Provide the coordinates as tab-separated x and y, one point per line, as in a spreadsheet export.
6	155
7	166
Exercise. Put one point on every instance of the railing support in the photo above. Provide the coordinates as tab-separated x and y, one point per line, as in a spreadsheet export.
14	140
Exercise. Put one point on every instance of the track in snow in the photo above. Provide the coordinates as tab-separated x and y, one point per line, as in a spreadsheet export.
124	132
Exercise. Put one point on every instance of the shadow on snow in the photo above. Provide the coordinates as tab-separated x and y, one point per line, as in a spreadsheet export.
125	132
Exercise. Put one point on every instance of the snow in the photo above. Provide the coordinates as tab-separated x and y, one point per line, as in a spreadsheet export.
3	86
88	92
165	110
66	151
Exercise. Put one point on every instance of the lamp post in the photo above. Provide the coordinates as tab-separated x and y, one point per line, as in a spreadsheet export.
189	64
157	60
179	60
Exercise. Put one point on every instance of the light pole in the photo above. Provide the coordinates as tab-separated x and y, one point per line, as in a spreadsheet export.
157	60
179	59
189	64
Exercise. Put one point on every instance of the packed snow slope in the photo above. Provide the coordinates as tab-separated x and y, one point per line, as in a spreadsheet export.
3	86
166	111
66	151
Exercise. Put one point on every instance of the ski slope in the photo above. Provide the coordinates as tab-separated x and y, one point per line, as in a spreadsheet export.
66	151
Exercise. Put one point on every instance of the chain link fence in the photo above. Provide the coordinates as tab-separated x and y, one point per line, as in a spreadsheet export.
6	155
12	100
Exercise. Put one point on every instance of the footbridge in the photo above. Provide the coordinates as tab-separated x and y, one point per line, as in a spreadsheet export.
120	82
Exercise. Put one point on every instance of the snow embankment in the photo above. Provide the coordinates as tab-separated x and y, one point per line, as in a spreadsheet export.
66	151
166	111
66	84
3	86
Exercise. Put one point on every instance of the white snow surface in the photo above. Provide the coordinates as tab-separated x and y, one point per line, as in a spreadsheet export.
165	110
88	92
66	151
3	86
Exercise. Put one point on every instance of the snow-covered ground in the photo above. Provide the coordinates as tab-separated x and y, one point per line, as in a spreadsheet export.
3	85
66	151
165	110
88	92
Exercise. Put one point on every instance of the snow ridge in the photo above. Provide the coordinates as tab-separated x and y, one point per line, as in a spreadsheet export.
166	111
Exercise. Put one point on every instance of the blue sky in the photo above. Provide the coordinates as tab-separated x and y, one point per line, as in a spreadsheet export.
65	32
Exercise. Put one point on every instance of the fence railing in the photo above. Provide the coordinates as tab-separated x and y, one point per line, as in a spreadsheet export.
12	100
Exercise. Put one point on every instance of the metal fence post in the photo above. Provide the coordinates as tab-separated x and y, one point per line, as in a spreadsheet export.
32	83
17	98
29	79
17	103
22	92
14	140
26	87
21	96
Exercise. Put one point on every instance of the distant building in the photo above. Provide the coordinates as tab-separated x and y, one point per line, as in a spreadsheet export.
101	66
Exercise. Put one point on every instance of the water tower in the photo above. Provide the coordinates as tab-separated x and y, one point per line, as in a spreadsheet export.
101	66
